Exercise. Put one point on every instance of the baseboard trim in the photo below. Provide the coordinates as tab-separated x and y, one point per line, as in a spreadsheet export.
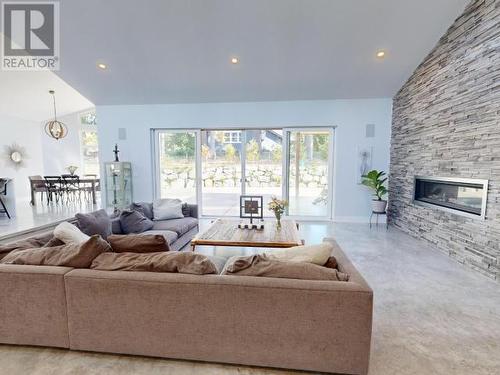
359	219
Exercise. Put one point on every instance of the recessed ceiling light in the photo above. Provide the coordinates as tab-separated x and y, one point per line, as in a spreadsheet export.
380	54
235	60
102	66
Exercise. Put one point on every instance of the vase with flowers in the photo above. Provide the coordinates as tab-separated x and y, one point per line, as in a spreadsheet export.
278	206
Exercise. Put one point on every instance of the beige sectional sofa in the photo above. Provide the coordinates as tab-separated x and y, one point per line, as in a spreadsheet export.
320	326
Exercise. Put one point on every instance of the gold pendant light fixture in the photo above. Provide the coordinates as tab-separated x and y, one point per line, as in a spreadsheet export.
54	128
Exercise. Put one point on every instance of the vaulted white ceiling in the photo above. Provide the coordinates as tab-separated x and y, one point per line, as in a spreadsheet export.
170	51
25	95
173	51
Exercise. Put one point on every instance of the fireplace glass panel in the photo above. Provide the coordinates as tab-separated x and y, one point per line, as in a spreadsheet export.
465	197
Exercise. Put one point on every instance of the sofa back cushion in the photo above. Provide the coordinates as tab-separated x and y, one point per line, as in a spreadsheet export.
261	265
181	262
97	222
164	209
54	241
28	243
132	243
69	255
132	221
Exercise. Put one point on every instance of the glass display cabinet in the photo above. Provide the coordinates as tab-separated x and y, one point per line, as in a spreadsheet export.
118	180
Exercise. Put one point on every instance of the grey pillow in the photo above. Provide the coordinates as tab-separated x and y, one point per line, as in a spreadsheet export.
116	227
97	222
186	210
145	208
132	221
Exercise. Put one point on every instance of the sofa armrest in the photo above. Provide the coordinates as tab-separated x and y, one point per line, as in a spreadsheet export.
193	208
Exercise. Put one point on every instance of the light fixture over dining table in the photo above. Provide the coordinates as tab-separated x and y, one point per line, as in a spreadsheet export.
54	128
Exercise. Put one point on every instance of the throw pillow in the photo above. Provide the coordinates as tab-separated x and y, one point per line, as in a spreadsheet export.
145	243
97	222
164	209
116	227
134	222
317	254
261	265
186	210
76	255
69	233
181	262
143	207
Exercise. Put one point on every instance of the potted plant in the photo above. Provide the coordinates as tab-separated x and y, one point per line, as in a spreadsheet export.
375	180
278	206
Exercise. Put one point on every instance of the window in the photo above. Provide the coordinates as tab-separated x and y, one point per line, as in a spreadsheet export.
232	137
89	146
88	118
176	164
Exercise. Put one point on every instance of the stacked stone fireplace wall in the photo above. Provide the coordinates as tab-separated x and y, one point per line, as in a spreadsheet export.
446	123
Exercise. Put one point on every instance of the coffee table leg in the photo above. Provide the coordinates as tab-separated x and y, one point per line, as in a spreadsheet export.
193	246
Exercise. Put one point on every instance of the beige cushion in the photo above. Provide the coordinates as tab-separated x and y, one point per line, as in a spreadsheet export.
181	262
142	243
68	255
261	265
68	233
316	254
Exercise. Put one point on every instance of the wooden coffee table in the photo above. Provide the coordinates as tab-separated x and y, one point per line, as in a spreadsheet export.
225	232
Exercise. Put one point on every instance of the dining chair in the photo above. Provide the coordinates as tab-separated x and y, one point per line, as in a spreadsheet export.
87	189
40	186
54	187
3	191
71	186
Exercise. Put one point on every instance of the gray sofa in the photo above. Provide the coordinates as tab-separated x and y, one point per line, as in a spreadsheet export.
318	326
177	232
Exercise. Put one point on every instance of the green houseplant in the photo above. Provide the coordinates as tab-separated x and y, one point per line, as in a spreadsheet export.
375	180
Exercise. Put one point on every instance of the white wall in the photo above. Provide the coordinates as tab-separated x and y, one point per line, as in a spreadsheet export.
351	201
59	154
26	134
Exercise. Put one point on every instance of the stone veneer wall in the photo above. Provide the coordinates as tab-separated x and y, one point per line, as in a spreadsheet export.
446	122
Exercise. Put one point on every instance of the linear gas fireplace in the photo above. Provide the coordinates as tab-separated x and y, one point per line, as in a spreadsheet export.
461	196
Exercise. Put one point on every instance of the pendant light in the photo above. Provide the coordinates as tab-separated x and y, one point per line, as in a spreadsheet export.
55	129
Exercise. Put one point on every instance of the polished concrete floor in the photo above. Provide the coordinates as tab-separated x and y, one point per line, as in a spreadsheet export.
432	316
26	216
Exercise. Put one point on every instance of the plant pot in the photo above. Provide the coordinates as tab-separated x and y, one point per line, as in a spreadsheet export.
379	205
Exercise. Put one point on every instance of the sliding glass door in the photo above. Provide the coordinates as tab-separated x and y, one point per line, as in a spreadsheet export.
263	164
309	166
214	167
238	162
176	164
221	171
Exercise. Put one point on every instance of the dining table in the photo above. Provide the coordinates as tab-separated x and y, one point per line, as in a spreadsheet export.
92	182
